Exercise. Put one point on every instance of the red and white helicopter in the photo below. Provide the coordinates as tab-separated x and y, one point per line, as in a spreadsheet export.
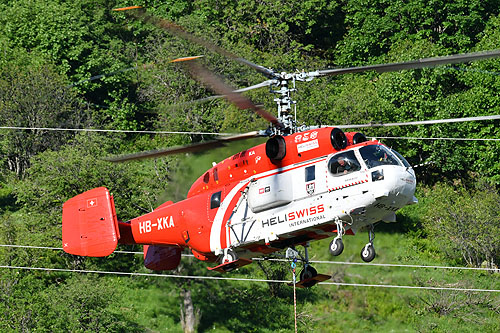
303	184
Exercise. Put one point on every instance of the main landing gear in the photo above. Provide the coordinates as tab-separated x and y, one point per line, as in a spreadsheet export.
337	246
229	255
308	276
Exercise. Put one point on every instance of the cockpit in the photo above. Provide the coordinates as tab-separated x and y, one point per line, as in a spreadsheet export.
370	156
375	155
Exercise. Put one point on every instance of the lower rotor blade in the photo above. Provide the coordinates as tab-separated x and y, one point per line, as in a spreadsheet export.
220	142
415	64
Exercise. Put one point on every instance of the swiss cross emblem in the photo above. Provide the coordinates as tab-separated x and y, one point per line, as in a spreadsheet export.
310	188
92	203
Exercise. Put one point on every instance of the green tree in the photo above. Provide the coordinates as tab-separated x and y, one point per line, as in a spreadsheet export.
465	224
35	97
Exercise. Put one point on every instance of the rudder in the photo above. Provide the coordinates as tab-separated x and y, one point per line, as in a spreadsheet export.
90	226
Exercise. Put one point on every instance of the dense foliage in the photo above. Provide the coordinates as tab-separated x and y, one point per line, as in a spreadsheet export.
50	54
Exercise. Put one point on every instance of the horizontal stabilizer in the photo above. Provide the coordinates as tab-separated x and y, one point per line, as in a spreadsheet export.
90	227
307	283
229	266
391	217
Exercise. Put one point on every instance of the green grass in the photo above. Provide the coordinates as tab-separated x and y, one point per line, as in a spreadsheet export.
154	303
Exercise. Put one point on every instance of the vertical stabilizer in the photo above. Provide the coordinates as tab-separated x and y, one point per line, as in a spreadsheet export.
90	227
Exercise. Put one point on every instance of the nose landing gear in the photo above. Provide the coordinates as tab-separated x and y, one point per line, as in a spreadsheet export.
337	245
368	251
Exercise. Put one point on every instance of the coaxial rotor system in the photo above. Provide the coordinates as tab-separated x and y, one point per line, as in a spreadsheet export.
280	83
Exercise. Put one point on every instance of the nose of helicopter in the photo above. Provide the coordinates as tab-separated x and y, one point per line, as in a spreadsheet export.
396	183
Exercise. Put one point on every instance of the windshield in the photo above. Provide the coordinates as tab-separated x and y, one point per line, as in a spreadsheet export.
405	162
375	155
343	163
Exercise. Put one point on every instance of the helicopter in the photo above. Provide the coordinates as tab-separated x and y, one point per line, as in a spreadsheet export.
305	183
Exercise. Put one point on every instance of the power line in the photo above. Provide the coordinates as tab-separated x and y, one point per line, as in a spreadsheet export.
388	265
421	122
423	138
105	130
285	260
194	277
216	133
408	287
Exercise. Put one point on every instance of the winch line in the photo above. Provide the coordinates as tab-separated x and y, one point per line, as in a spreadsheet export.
194	277
285	260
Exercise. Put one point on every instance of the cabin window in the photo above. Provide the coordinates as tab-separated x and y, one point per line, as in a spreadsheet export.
215	200
375	155
310	173
206	178
343	163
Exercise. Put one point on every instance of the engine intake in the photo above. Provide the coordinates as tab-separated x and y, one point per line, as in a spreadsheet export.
338	139
276	148
358	138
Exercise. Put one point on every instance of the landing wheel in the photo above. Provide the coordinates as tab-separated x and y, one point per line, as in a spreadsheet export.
336	246
368	253
308	272
229	256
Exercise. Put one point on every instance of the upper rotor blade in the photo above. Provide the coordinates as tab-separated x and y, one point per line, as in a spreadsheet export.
220	142
144	66
177	30
209	98
218	86
415	64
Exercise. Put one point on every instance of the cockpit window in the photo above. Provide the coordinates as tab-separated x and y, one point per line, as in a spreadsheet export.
343	163
375	155
402	159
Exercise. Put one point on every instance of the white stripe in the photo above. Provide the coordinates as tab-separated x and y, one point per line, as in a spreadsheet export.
215	240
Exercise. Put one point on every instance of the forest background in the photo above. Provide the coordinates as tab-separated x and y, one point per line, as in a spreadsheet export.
50	49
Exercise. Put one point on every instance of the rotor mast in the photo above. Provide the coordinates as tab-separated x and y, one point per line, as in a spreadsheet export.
284	85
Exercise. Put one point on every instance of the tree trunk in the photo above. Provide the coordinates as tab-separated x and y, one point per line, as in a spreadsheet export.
189	319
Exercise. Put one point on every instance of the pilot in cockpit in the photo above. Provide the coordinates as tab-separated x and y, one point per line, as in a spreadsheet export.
343	165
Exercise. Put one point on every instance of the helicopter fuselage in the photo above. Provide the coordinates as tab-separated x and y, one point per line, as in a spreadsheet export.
253	204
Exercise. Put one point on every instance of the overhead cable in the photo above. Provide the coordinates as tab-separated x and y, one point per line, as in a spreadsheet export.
422	122
194	277
106	130
423	138
285	260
